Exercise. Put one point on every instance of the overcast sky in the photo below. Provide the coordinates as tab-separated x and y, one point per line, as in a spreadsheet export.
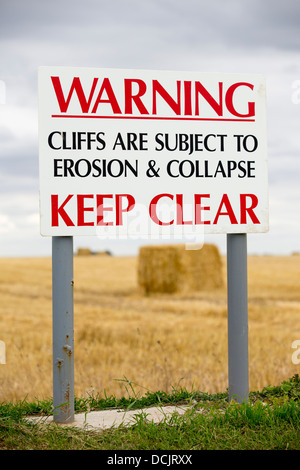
232	36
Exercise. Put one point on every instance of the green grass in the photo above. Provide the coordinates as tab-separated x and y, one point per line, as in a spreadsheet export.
268	421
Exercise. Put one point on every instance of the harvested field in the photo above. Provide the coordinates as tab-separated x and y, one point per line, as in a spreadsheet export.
158	341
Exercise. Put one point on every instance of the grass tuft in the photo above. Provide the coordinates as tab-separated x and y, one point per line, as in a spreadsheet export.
269	420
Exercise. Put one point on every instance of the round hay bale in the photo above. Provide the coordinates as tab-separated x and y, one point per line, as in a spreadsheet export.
83	252
173	268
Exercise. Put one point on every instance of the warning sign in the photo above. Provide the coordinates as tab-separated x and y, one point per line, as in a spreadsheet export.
131	153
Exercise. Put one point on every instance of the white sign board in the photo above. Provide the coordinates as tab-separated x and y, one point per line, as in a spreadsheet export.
149	154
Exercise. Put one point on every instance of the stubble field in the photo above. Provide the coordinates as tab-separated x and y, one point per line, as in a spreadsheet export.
158	342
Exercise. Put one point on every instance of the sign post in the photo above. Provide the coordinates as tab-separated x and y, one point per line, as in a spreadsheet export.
237	300
63	329
143	154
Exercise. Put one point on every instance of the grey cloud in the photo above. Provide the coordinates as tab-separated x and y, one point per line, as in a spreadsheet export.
249	36
234	23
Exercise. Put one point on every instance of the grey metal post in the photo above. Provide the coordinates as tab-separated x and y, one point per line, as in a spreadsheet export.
63	329
237	298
